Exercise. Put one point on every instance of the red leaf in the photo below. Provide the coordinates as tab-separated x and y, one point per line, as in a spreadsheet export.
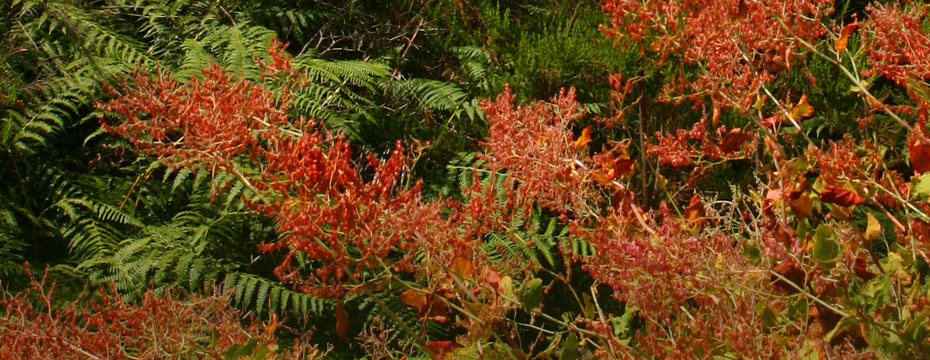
733	140
770	198
342	321
436	311
742	10
919	157
839	196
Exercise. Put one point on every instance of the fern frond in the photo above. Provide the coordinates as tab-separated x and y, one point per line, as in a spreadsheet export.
271	295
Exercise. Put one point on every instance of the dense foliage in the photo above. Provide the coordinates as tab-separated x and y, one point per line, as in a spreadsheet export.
465	179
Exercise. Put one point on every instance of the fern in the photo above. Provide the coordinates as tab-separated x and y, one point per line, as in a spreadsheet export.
523	240
438	95
337	91
264	295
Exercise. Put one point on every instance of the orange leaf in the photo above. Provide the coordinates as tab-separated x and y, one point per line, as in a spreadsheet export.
771	121
859	268
800	204
541	140
441	348
584	139
413	298
790	271
733	140
342	321
623	166
603	179
463	267
493	278
716	118
839	196
919	157
770	198
760	102
436	311
841	42
695	209
802	109
742	9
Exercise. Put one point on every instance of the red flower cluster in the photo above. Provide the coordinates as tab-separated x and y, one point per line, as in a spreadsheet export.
898	46
535	144
155	328
735	45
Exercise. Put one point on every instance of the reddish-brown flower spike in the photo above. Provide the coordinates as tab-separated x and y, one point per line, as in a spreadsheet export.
739	44
897	44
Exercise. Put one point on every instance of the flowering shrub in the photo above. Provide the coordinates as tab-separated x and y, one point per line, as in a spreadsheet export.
825	255
105	327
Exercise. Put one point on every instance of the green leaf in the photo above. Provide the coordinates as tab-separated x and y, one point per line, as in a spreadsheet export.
588	306
551	349
531	294
918	88
922	185
262	352
809	351
569	348
825	248
840	327
621	324
238	351
916	330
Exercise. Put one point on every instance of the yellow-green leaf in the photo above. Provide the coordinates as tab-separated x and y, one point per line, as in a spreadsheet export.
873	229
825	248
